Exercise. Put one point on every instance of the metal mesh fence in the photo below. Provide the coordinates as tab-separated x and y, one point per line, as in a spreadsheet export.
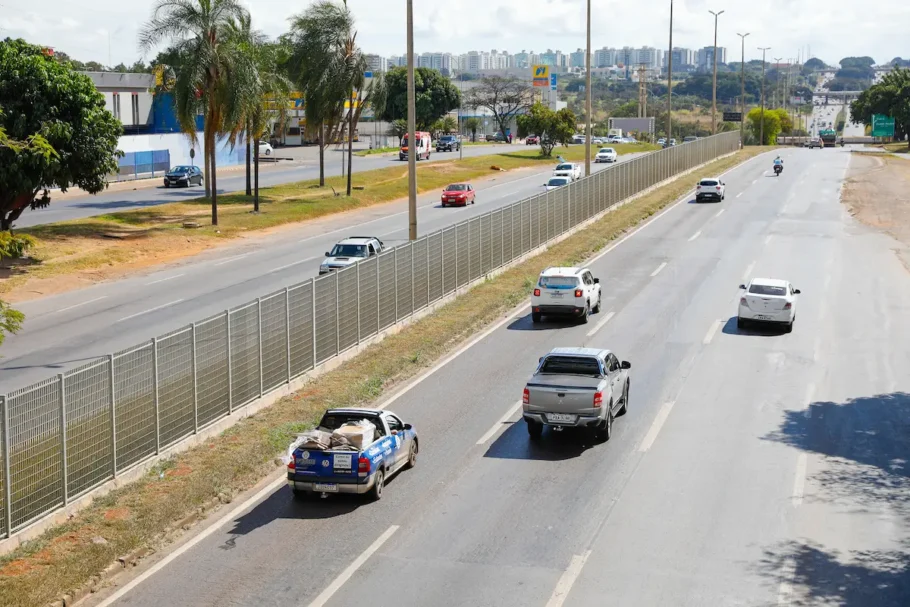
68	434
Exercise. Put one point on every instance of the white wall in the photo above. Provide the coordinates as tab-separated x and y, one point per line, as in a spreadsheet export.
179	146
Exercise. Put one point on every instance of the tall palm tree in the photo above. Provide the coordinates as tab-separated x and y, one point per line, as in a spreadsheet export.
328	67
207	82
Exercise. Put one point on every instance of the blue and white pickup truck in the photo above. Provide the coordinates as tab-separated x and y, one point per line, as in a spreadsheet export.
320	472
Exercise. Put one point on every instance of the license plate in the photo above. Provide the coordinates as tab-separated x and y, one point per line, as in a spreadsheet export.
326	487
556	294
560	417
341	461
762	317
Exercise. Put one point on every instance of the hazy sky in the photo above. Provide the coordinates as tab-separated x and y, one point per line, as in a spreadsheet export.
831	28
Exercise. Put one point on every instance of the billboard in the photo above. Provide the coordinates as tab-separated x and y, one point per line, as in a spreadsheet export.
639	125
541	75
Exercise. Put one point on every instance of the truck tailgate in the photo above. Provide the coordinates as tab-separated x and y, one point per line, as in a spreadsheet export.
561	394
326	466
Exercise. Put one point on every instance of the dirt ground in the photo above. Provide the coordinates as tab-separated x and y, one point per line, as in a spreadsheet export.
877	192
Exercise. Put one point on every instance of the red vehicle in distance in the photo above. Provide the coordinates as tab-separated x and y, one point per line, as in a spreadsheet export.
458	194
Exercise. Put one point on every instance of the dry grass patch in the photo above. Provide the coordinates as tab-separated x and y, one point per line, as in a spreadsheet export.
138	517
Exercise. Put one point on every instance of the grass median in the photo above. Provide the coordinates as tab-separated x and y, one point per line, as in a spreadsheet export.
73	254
135	518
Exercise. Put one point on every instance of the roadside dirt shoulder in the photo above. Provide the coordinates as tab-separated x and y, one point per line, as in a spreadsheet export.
877	192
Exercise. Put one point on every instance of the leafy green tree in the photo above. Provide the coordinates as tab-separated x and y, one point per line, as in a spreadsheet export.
505	98
70	139
889	97
553	128
772	126
628	109
214	69
472	124
398	128
436	96
815	64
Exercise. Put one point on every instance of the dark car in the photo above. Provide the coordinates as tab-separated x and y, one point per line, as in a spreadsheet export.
448	143
183	176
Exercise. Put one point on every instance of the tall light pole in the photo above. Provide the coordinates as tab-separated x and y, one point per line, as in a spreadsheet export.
670	78
742	69
588	98
460	105
412	130
778	88
714	88
761	127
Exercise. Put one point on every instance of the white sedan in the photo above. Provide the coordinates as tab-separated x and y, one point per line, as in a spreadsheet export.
605	155
768	300
265	149
557	182
572	170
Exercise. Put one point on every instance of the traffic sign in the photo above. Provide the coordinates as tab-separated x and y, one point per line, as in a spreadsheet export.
368	74
733	116
882	126
541	75
552	82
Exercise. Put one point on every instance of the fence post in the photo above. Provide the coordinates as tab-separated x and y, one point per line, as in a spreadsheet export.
157	403
502	235
378	300
395	263
61	390
7	477
313	317
110	364
195	387
287	329
428	268
337	318
411	246
358	302
259	341
456	258
230	370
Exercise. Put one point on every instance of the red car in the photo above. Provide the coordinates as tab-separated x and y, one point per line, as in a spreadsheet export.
532	140
458	194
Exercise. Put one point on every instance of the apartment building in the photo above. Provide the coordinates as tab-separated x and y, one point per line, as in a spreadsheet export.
377	63
705	58
446	63
682	57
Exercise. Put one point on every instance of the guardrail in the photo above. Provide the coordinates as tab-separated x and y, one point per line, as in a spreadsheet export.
69	434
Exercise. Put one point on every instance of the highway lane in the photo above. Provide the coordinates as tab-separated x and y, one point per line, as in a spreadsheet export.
65	330
307	167
721	486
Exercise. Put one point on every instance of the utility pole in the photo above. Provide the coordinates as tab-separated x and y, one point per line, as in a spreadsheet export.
742	69
642	92
670	79
412	130
778	87
714	87
588	105
761	137
460	104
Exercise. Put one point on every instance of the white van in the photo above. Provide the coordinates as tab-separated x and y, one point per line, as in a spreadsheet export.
424	142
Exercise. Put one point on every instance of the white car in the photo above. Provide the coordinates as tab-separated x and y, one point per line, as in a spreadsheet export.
572	170
710	188
614	139
605	155
557	182
597	141
768	300
578	139
565	292
349	251
265	148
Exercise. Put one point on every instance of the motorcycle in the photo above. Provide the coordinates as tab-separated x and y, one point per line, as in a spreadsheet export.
777	169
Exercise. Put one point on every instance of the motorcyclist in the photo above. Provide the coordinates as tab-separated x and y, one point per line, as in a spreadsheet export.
778	162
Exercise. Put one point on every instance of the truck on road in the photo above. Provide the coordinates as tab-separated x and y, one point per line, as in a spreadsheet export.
828	137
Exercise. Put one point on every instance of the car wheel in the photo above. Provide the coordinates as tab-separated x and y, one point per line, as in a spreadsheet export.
788	328
536	317
535	429
376	491
473	200
586	315
268	152
625	399
412	454
597	307
443	205
603	432
740	323
167	185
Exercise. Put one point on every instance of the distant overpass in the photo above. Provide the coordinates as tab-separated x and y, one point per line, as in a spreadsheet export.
842	96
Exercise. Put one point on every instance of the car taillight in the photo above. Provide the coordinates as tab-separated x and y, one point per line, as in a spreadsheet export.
363	464
578	293
743	301
536	292
598	399
718	188
788	305
292	464
526	397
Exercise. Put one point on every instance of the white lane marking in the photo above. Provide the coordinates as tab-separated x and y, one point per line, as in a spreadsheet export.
84	303
748	273
348	229
500	424
719	213
230	259
711	331
694	236
233	513
659	268
787	571
799	481
816	350
756	181
289	265
740	194
567	580
154	282
656	425
177	301
601	324
345	575
768	239
444	362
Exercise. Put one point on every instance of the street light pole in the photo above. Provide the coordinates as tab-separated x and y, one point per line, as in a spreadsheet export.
588	103
742	70
412	130
714	88
460	118
761	137
670	79
778	87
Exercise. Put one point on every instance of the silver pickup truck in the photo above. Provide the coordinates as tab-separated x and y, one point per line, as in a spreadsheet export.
576	387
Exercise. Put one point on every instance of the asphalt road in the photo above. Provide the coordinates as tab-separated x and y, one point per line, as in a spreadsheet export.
305	167
753	468
63	331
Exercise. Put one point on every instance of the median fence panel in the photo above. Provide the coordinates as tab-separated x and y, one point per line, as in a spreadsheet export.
70	433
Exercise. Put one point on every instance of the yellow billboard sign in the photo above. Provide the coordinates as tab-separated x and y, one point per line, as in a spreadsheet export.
541	75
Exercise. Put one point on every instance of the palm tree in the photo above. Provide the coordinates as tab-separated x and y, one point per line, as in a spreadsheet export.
206	83
328	66
472	124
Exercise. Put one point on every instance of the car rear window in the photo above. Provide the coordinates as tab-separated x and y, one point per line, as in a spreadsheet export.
767	290
564	167
710	182
558	181
457	187
558	281
570	365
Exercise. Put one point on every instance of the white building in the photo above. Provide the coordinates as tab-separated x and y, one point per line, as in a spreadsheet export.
705	59
649	56
126	96
377	63
444	62
681	57
605	57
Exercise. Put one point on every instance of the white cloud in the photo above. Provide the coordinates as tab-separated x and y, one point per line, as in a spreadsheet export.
832	28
